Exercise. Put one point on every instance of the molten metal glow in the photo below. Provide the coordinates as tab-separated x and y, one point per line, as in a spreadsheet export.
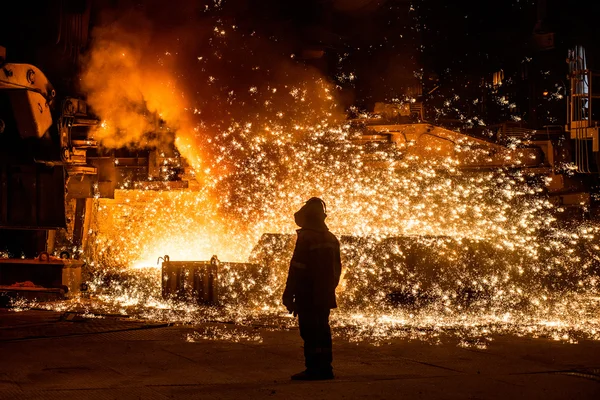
432	251
429	249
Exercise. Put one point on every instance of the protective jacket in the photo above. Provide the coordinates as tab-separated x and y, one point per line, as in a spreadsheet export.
315	267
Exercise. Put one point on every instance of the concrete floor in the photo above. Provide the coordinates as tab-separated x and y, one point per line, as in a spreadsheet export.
50	355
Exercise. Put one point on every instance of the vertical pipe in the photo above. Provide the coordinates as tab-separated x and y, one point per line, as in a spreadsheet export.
87	221
50	238
589	96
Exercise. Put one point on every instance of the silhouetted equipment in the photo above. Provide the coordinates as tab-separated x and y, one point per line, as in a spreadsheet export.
191	280
44	277
51	169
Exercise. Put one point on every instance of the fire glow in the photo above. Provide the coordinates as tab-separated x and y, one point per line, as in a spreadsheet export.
491	257
430	249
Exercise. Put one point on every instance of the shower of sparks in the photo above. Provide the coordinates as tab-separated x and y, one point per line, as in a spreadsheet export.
429	248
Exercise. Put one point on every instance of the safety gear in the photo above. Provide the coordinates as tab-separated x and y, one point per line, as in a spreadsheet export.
313	275
316	333
310	376
312	214
315	270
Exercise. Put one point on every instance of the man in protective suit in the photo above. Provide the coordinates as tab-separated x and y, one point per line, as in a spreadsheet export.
314	274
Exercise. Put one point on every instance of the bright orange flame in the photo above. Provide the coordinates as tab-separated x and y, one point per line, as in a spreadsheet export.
140	103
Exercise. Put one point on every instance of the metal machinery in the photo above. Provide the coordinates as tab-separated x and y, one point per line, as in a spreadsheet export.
32	200
581	124
541	154
51	168
191	279
566	153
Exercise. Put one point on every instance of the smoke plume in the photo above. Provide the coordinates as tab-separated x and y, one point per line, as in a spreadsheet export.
154	72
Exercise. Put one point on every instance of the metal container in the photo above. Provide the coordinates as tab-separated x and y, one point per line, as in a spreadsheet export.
191	280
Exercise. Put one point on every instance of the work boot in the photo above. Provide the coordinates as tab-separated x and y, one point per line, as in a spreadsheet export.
312	376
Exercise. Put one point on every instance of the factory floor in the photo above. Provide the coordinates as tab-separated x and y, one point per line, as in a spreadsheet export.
54	355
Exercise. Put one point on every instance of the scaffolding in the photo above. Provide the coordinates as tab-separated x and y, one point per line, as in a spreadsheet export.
580	122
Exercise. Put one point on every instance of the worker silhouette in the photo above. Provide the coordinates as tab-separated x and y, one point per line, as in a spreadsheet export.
314	274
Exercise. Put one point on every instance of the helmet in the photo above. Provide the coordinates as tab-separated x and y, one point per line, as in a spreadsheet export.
312	213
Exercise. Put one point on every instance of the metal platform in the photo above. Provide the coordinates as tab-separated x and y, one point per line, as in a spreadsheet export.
44	272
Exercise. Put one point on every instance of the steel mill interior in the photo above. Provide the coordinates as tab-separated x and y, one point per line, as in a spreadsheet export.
152	156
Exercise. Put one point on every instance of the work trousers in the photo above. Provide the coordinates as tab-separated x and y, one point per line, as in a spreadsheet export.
316	333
